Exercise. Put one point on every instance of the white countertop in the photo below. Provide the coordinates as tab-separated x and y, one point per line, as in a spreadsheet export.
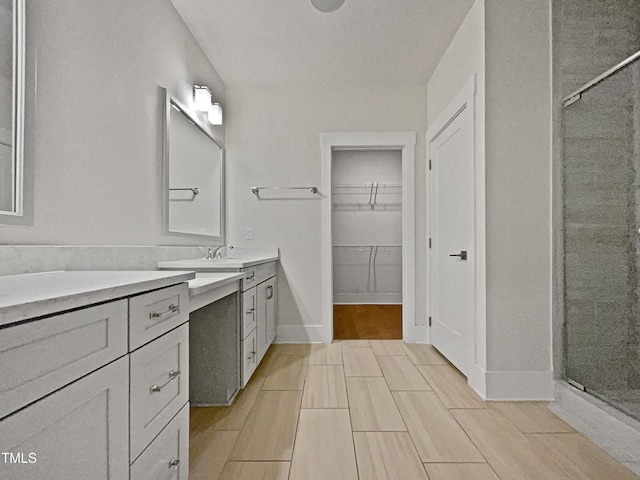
36	294
225	263
206	281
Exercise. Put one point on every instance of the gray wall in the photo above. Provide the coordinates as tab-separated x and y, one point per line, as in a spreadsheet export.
599	217
518	187
273	139
507	46
6	68
6	96
94	120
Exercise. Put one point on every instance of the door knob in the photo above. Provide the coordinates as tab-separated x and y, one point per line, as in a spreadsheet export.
462	255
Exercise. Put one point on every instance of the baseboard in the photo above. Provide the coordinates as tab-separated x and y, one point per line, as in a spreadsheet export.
414	334
367	299
477	380
610	429
522	385
299	334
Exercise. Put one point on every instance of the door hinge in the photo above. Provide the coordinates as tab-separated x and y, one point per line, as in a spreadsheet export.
429	321
429	164
429	243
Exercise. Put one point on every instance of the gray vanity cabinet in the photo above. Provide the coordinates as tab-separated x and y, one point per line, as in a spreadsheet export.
100	391
266	318
259	316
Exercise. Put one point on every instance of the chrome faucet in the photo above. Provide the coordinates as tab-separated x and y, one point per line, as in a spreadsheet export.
215	253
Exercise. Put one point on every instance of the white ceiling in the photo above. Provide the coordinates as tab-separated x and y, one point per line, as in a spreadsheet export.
289	42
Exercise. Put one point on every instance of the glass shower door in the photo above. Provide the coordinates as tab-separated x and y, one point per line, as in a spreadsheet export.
601	171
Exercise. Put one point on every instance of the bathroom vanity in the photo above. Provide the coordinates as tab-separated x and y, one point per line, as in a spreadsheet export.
94	375
256	324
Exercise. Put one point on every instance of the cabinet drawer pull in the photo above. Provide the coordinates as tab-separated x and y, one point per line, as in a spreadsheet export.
174	462
172	309
173	374
252	310
270	294
253	275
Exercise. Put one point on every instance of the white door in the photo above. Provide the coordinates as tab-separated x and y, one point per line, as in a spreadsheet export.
452	262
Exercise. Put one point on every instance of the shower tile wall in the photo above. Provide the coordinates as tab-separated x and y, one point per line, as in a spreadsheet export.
600	165
595	35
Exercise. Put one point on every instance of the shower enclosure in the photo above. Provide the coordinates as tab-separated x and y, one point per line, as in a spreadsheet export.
601	217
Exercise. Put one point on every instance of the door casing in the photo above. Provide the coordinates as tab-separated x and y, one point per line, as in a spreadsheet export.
405	142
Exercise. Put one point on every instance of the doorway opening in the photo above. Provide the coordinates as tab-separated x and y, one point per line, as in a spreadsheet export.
366	191
368	266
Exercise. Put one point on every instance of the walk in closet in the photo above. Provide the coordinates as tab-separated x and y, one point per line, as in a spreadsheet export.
366	197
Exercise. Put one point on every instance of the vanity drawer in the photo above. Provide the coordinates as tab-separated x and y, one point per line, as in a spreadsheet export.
157	312
265	271
167	458
159	386
250	278
249	313
249	356
39	357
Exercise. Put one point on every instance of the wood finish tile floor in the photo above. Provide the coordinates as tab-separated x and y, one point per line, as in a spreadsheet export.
382	410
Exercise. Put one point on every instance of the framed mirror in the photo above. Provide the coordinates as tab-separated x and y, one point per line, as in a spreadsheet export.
14	208
194	176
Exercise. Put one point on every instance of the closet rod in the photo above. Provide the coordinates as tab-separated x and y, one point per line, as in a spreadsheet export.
368	185
367	246
256	190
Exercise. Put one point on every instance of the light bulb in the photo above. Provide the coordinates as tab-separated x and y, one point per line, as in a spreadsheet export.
215	114
202	97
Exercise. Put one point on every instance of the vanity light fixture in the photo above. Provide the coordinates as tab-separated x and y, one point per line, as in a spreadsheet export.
215	114
202	97
327	6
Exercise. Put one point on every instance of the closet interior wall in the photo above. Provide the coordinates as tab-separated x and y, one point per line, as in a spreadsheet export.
367	226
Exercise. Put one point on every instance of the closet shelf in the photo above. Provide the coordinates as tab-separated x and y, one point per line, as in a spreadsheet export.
371	188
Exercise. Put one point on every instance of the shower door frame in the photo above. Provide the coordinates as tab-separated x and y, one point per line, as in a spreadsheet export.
405	142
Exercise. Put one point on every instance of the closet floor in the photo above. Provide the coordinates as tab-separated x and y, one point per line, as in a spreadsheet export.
382	410
367	322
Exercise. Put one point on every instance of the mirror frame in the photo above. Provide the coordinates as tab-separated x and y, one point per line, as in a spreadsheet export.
171	102
22	213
